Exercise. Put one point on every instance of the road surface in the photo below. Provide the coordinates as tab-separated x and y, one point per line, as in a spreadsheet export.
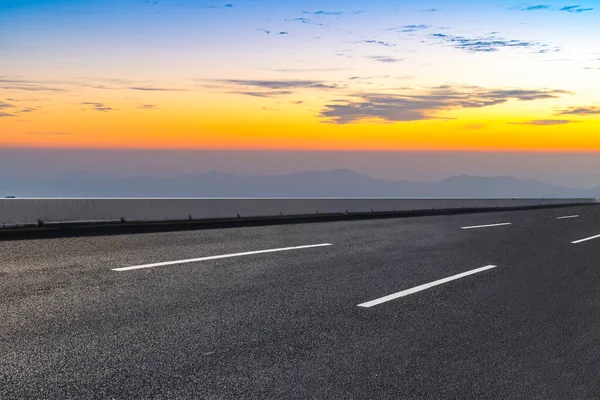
481	306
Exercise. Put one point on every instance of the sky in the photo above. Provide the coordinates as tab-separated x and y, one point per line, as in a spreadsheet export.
346	75
410	89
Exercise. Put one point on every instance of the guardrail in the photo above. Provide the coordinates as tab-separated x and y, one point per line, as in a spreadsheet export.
27	212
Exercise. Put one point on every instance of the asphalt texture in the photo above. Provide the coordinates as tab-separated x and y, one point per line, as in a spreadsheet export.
287	325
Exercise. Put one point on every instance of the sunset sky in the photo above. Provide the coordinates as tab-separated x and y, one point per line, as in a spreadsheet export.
300	75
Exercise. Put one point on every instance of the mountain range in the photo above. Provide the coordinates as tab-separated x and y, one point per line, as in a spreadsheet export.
336	183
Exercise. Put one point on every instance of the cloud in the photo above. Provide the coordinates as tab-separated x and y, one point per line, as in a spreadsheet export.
385	59
88	82
545	122
535	8
582	111
378	42
552	50
425	105
414	28
31	85
485	44
273	93
324	12
98	106
368	78
28	110
4	114
433	10
269	88
527	94
31	88
5	105
570	9
280	84
268	32
103	87
575	9
148	106
307	21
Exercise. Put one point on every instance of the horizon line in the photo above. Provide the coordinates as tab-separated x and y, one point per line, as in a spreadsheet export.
267	150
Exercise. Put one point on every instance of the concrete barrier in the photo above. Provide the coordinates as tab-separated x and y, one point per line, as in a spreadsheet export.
23	212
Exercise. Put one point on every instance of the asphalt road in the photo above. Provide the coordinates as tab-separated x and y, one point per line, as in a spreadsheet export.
297	323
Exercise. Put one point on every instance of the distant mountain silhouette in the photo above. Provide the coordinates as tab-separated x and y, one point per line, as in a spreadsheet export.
337	183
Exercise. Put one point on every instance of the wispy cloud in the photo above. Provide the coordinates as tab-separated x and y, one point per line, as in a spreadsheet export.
410	28
280	84
268	32
148	106
378	42
575	9
582	111
268	88
307	21
427	104
98	106
87	82
5	105
9	83
385	59
484	44
536	7
578	9
323	12
269	94
414	28
4	115
31	88
545	122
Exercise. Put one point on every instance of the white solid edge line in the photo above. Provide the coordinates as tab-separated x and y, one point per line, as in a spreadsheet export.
586	239
486	226
568	217
423	287
248	253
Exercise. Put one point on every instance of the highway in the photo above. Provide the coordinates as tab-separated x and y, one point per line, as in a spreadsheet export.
502	305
